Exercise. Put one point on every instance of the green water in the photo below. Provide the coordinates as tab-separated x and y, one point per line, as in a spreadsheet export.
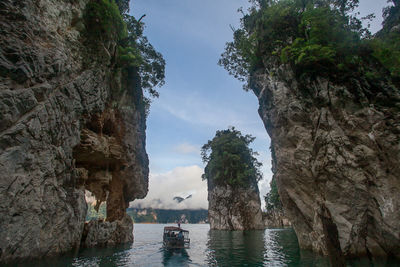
270	247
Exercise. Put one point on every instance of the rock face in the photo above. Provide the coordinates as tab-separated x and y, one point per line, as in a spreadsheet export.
104	233
63	130
336	160
275	219
234	208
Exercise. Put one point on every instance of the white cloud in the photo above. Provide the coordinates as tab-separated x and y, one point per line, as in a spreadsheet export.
263	185
90	199
181	182
185	181
186	148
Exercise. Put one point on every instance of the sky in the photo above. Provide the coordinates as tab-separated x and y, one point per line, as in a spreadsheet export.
199	97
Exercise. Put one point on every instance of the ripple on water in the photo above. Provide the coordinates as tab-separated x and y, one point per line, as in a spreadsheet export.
270	247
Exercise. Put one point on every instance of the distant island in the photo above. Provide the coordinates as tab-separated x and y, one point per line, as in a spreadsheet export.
149	215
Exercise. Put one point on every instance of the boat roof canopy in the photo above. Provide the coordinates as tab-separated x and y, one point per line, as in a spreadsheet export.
174	228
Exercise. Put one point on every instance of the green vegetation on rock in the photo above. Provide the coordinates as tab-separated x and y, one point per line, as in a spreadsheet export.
316	38
272	200
137	51
386	46
108	21
230	160
104	21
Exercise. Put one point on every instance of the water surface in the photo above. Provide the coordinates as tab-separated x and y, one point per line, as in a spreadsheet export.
270	247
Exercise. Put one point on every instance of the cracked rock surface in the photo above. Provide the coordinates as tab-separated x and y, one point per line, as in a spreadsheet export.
59	134
234	208
275	219
336	160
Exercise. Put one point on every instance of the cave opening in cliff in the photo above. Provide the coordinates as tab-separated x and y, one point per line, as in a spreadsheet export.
103	124
98	162
95	208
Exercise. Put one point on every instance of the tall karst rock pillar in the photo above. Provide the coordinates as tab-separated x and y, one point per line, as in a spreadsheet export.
336	160
232	174
64	128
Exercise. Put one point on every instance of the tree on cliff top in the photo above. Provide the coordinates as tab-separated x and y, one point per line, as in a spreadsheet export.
109	21
230	160
315	37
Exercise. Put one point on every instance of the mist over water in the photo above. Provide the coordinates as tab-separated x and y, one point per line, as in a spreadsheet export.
270	247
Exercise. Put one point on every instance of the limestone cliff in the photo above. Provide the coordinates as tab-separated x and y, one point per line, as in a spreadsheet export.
275	219
63	129
232	173
234	208
336	160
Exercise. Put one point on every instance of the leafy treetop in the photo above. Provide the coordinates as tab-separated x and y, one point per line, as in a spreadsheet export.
316	37
386	47
230	160
391	15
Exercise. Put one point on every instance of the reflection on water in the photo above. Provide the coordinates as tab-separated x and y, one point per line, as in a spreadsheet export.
271	247
175	257
227	248
118	256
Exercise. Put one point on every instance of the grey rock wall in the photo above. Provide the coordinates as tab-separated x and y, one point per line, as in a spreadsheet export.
51	90
275	219
234	208
336	160
107	234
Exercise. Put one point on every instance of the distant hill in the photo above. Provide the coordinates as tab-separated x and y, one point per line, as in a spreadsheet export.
144	215
167	216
